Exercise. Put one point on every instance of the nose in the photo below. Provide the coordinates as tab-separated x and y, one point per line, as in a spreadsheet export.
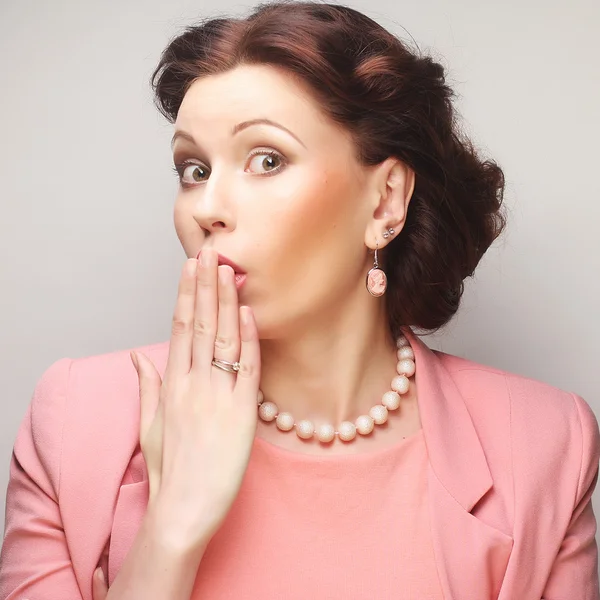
214	207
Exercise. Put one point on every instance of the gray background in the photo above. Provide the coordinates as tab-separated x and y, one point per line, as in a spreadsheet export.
89	256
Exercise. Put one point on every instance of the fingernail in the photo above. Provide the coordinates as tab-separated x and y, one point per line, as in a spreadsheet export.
223	276
208	257
190	266
100	574
135	361
245	315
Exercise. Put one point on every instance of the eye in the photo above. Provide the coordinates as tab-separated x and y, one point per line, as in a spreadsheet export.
270	162
197	171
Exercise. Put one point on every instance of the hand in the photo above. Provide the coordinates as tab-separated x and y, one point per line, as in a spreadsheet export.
197	426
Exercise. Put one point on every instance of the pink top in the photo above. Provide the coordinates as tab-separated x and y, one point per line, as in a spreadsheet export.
336	527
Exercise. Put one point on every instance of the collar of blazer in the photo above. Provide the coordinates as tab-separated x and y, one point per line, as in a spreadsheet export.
471	555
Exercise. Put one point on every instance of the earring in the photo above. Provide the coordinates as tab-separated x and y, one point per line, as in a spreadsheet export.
386	234
376	278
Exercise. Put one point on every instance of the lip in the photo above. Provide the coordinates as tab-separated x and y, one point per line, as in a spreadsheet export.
240	279
223	260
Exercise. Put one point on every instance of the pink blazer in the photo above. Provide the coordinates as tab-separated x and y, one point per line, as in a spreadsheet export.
512	466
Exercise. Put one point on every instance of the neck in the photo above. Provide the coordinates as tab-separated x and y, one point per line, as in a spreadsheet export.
333	370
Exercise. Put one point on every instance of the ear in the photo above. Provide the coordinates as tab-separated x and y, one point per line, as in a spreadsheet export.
390	188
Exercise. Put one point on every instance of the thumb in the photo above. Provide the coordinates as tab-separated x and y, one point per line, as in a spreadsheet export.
150	383
99	587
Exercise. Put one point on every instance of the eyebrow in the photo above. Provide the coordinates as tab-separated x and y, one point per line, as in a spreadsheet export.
237	128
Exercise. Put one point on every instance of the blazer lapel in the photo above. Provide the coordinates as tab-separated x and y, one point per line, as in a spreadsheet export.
471	555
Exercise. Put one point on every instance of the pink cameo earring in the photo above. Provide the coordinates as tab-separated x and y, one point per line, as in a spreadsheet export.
376	277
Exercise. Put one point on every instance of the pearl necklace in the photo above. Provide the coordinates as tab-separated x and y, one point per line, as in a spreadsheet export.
364	424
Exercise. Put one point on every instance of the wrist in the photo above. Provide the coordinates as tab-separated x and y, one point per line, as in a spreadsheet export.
170	539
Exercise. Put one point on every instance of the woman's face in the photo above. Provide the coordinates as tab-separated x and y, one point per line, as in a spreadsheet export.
287	206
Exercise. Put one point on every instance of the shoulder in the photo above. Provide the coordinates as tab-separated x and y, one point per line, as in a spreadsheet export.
68	376
548	429
74	391
110	366
531	401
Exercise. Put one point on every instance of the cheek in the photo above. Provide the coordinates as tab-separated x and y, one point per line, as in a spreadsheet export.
312	206
304	230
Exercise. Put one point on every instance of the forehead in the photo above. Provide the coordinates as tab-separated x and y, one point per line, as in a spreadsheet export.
248	92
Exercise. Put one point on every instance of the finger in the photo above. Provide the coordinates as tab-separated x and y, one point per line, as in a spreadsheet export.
248	377
99	587
227	339
180	355
149	384
205	314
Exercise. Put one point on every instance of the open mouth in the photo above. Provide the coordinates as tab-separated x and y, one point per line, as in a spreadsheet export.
240	274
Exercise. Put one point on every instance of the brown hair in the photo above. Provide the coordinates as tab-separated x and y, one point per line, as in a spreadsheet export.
394	102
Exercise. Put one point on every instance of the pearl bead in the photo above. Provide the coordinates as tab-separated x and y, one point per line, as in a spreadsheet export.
305	429
285	421
379	414
401	342
391	400
400	384
267	411
347	431
326	432
406	367
364	424
406	352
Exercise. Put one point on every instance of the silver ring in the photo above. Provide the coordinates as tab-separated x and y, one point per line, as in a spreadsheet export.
230	367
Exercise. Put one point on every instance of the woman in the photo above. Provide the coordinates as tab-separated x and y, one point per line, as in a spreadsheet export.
294	436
